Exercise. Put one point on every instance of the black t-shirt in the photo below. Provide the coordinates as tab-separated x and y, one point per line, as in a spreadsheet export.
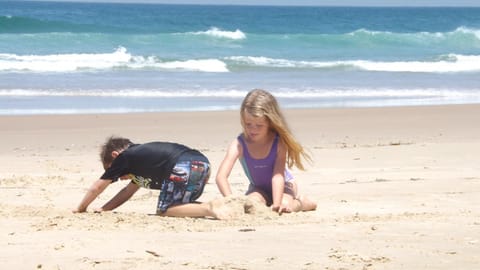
149	163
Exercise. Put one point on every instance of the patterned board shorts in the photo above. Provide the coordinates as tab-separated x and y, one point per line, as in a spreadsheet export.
186	182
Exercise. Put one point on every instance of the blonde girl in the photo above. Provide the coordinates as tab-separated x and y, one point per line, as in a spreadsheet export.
264	149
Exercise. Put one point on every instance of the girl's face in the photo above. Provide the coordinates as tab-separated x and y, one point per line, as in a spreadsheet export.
256	128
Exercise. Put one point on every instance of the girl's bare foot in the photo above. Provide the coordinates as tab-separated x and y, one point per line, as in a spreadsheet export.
306	204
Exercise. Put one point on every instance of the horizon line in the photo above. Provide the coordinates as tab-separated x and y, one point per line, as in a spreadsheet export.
453	5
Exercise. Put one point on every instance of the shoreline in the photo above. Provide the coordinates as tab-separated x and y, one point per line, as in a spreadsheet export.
236	109
396	188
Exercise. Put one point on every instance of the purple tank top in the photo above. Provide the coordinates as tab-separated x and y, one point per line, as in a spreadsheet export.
260	171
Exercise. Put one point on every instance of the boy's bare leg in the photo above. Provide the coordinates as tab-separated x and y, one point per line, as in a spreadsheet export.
216	208
186	210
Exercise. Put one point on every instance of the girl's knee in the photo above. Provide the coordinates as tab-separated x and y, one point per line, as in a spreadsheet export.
257	196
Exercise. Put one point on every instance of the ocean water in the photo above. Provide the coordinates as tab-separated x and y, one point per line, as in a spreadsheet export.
60	58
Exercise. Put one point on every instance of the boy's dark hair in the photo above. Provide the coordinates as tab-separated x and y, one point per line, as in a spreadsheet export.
112	144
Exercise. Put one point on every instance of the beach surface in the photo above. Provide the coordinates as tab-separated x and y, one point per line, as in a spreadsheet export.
396	188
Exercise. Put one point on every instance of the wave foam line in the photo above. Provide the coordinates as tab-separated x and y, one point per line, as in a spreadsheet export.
286	94
458	63
120	58
123	93
444	64
462	31
218	33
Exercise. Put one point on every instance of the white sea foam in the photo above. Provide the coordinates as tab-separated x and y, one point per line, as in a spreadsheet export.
447	63
282	93
63	62
457	63
280	63
58	111
218	33
206	65
466	31
120	58
52	101
147	93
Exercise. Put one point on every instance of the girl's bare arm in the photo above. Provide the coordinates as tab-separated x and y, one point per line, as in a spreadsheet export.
226	168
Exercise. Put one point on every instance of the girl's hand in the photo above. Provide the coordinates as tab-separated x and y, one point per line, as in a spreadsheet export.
281	209
78	210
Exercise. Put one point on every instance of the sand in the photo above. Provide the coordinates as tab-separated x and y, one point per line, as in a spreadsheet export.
396	188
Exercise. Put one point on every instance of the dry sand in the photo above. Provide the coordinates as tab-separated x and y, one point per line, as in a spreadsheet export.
397	188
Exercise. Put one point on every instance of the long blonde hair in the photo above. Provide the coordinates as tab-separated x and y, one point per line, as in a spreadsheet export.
259	103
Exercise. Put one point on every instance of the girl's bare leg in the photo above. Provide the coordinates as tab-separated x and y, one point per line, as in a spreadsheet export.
300	202
258	197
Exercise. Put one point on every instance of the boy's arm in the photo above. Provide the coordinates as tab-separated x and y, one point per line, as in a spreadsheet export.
121	197
226	168
92	193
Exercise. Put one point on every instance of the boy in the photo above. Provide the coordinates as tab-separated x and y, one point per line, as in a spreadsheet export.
177	170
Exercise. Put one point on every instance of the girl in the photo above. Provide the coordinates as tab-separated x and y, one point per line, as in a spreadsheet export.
264	149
